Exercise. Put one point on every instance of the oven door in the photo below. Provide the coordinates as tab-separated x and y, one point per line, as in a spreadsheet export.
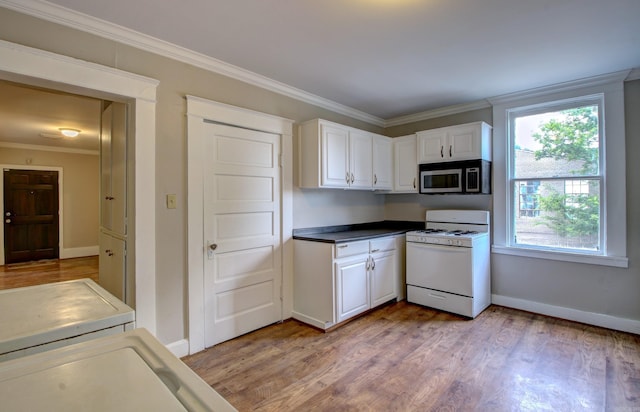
441	181
441	268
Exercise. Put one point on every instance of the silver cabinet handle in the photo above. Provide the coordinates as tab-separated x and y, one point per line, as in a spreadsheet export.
347	177
352	178
441	151
373	264
375	179
342	246
414	182
450	147
375	250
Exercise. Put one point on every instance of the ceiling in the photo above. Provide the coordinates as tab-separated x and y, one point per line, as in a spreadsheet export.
35	116
384	58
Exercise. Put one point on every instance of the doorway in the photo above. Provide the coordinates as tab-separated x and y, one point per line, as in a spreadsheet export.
40	68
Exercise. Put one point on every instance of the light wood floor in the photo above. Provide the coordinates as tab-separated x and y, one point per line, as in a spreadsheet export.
37	273
404	357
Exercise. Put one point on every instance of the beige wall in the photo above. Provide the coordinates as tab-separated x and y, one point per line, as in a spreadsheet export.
81	191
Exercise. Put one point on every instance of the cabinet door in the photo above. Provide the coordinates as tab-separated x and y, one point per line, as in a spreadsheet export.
384	277
105	168
113	168
463	143
119	168
360	160
382	163
405	164
111	274
352	287
431	146
335	156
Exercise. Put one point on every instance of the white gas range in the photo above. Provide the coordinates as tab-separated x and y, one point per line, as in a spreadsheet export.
448	263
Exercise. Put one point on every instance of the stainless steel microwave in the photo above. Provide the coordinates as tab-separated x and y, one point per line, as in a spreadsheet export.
463	177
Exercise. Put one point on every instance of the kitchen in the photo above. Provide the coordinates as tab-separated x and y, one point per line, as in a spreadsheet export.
609	292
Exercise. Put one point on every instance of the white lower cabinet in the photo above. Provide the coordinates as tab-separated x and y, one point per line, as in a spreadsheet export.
112	265
352	287
335	282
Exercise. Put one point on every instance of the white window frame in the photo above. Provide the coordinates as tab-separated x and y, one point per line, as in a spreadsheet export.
613	168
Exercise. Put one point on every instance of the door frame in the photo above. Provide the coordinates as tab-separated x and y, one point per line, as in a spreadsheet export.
41	68
199	110
60	203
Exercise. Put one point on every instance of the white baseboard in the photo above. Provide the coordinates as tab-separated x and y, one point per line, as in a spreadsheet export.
179	348
77	252
590	318
311	321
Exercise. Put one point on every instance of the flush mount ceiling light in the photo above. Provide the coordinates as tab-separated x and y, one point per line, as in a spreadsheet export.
69	132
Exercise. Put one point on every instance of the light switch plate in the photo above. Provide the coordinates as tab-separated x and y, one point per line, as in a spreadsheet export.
171	201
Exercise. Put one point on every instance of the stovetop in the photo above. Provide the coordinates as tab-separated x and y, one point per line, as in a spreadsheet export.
444	232
448	237
452	228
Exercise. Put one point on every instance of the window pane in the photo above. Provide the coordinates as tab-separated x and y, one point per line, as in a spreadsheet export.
563	213
561	143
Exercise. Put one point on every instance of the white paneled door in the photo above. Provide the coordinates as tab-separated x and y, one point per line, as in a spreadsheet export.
243	268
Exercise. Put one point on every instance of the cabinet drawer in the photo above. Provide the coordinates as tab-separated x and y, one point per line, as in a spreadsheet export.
382	244
461	305
352	248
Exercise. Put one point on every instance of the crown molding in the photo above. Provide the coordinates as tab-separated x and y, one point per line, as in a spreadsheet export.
601	80
80	21
633	75
440	112
59	149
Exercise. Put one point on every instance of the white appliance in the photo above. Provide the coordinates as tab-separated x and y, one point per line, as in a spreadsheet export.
131	371
38	318
448	263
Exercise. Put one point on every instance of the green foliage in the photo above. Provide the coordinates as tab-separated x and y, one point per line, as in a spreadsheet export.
574	138
571	214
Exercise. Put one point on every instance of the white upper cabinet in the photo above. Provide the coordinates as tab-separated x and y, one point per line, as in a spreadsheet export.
113	169
334	156
405	162
360	159
382	162
461	142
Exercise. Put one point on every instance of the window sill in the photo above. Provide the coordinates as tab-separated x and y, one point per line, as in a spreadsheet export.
615	261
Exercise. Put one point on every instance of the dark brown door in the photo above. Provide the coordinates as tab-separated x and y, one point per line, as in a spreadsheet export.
30	215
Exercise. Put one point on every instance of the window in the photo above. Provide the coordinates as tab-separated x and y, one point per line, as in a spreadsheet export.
559	172
556	175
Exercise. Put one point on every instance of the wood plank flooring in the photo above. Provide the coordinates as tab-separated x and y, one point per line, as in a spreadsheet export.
404	357
37	273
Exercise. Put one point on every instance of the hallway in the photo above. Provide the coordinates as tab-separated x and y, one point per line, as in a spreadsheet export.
36	273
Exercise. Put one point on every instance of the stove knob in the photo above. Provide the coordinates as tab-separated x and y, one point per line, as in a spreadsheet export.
450	242
459	242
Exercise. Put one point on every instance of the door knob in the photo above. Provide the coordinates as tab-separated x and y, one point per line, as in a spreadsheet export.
210	249
7	221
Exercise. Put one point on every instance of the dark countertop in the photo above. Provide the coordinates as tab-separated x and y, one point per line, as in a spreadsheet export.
360	231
